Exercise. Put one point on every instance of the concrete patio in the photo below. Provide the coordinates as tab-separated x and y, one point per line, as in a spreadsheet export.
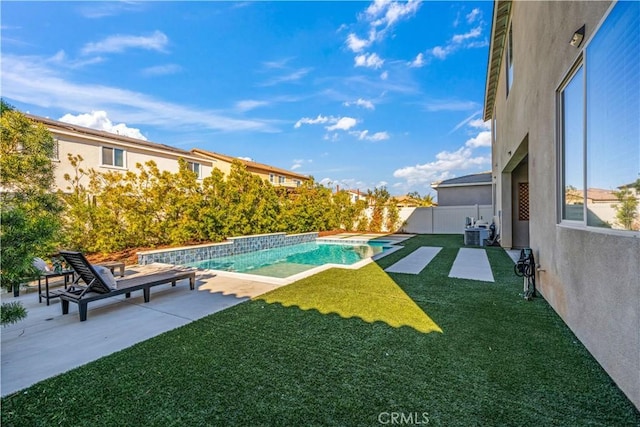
48	343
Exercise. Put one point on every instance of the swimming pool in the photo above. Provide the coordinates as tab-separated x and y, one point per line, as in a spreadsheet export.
293	259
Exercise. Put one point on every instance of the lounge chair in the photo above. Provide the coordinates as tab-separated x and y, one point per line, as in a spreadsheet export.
97	286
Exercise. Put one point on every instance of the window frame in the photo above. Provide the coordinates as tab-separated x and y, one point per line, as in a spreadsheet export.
113	157
192	165
578	63
509	62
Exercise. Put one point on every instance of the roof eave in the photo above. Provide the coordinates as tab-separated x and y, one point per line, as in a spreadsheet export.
499	26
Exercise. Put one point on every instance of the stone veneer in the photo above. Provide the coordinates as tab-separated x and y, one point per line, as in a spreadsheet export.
233	246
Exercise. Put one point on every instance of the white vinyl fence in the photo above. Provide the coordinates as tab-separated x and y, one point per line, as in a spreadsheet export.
441	219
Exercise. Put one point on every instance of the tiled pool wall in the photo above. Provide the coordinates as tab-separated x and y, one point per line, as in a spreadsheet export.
233	246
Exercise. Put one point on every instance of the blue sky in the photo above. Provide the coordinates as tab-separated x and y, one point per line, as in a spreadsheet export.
356	94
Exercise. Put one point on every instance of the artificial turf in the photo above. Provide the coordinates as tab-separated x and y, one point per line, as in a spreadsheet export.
349	348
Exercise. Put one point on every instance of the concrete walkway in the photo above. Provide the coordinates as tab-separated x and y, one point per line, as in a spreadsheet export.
472	264
47	343
415	262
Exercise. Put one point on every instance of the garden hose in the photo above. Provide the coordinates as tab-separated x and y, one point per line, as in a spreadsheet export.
525	268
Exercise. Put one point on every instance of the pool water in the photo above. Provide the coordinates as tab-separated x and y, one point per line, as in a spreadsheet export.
288	260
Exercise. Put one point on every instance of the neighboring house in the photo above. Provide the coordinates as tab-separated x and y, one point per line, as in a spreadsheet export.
354	195
276	176
562	95
465	190
104	151
406	202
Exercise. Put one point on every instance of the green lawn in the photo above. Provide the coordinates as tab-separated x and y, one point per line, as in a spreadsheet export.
349	348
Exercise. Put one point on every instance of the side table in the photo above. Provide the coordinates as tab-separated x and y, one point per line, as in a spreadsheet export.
66	274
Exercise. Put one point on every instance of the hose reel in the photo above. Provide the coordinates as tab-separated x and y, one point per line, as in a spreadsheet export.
526	268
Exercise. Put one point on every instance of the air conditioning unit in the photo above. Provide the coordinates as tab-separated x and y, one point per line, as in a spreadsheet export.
475	236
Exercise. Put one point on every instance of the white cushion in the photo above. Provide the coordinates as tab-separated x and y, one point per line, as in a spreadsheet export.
41	265
107	276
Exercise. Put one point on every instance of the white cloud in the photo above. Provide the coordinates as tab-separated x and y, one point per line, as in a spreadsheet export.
364	135
450	105
473	15
381	16
62	60
344	123
309	121
34	80
162	70
471	34
337	123
441	52
298	163
418	61
118	43
449	163
387	13
331	137
98	120
466	121
370	61
483	139
384	75
442	168
458	42
277	64
250	104
95	10
356	44
291	77
361	103
248	159
480	124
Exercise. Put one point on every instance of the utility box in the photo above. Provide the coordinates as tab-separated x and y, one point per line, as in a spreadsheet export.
475	236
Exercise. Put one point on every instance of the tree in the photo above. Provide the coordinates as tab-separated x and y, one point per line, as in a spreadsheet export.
425	201
344	211
379	197
393	215
626	208
30	210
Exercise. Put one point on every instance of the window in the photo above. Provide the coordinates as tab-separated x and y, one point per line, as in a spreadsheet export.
572	100
600	127
282	179
297	182
272	178
113	157
509	60
195	167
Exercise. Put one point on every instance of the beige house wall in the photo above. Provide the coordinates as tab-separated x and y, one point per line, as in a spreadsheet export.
88	143
90	148
265	172
590	277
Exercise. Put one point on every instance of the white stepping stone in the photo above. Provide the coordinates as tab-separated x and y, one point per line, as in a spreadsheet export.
472	264
415	262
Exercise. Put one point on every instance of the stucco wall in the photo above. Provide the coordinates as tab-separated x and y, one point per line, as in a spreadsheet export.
591	278
457	196
90	150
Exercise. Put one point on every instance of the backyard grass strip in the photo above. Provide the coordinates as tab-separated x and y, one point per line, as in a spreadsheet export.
500	361
369	294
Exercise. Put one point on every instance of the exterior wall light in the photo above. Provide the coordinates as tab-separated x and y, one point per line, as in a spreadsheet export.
577	38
